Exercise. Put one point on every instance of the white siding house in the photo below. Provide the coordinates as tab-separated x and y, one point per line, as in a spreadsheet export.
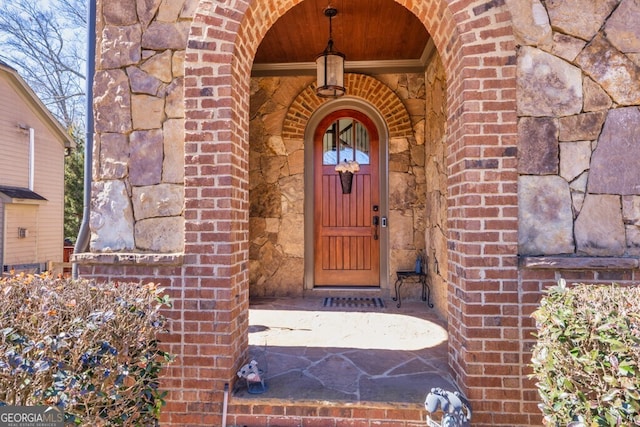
32	150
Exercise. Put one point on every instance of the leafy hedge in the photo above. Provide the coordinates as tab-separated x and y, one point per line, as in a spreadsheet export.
88	348
586	360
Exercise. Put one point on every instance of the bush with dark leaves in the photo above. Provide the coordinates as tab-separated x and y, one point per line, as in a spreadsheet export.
88	348
587	357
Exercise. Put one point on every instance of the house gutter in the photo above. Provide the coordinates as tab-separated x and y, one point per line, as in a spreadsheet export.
84	235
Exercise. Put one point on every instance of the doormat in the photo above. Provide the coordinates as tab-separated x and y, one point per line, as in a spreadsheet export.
353	302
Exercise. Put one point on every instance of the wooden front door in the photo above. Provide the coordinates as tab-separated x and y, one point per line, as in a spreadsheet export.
346	224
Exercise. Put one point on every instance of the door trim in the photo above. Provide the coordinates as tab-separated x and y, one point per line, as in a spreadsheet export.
383	135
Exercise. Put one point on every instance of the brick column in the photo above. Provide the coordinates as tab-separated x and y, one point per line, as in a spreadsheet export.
215	295
484	296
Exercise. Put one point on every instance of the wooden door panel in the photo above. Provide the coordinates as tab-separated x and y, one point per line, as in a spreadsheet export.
346	210
347	251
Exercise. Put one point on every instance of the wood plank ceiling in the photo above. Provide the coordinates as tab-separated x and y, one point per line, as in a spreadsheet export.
377	34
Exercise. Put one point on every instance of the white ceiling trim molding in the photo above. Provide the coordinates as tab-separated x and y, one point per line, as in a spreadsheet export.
365	67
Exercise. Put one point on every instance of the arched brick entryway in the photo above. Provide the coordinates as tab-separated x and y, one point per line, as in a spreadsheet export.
474	42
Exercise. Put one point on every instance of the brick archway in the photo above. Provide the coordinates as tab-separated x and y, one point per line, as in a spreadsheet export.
373	91
474	40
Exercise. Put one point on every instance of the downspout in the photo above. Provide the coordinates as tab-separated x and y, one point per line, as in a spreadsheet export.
84	234
32	157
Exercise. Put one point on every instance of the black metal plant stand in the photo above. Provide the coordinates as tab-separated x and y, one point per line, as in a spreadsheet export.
417	277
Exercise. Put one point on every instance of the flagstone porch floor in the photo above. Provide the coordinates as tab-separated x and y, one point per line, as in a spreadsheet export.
363	355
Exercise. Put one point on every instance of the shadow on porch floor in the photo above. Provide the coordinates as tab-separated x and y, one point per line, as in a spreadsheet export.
309	352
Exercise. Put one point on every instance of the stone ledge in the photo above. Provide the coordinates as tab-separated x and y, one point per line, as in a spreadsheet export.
91	258
578	263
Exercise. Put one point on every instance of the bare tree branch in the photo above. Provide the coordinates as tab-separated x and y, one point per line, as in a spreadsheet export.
45	43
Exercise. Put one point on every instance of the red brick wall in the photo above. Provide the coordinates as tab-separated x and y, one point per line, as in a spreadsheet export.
367	88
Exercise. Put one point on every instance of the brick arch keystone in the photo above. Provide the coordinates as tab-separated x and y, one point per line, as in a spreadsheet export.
362	86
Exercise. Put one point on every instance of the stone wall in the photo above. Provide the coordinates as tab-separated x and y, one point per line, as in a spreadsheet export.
277	183
578	127
138	178
436	183
276	190
407	180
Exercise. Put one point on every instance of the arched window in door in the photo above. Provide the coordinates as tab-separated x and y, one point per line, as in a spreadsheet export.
346	140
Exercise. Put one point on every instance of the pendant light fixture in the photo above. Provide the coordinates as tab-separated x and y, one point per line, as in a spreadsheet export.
330	65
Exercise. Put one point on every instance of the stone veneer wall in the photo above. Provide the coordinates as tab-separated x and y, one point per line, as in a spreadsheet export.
578	127
578	93
138	187
276	181
276	190
407	181
436	183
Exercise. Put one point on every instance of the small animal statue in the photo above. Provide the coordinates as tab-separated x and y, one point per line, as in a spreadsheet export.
253	378
455	407
250	372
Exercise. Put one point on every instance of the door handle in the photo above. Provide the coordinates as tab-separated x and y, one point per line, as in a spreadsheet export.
376	222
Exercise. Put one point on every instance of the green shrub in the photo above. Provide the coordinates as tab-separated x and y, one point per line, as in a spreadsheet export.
587	355
88	348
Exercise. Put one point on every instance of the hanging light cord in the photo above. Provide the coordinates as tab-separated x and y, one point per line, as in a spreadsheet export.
330	12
